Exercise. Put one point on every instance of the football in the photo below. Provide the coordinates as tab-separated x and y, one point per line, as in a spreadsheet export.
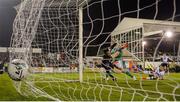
18	69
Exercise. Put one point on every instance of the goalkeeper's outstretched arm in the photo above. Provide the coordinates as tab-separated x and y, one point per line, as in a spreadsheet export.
118	49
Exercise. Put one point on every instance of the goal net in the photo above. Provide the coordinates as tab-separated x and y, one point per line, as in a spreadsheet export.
63	42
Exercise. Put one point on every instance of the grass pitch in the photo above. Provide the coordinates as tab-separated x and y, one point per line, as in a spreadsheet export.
95	88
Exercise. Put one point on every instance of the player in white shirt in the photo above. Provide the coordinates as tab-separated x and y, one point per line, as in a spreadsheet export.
159	72
165	62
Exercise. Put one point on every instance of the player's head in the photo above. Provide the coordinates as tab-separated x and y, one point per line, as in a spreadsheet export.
164	54
112	46
124	45
107	51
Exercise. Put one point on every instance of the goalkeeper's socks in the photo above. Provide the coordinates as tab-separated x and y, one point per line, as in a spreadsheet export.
129	74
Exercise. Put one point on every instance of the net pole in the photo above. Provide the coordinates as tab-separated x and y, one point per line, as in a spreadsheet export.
80	44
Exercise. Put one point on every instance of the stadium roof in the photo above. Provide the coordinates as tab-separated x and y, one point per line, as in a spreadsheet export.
150	26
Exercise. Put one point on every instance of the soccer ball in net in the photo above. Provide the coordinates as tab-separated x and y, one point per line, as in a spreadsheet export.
18	69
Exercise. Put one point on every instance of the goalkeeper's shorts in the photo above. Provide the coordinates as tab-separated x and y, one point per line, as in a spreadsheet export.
161	73
165	64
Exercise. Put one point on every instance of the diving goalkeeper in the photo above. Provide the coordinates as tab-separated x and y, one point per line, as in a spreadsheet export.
107	65
117	53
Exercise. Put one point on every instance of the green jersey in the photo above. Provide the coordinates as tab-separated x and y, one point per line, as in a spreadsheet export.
119	57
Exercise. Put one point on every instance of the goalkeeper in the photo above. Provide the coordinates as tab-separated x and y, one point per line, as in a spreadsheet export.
117	53
107	65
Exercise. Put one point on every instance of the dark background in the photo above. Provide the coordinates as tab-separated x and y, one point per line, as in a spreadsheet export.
7	15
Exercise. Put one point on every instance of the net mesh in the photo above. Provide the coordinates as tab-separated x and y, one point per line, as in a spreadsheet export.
46	36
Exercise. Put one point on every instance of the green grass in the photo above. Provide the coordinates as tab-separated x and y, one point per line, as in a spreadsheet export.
93	88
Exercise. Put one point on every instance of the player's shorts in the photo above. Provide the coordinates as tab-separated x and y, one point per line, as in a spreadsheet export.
119	64
164	64
107	66
162	73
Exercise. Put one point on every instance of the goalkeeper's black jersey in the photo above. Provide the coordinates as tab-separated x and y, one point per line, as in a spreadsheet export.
106	62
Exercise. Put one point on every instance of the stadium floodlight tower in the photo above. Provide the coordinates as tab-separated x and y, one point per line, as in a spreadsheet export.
55	27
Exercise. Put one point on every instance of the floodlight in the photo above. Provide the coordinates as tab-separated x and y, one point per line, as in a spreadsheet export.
169	34
144	43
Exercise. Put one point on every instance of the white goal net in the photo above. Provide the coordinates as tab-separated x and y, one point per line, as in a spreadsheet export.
63	42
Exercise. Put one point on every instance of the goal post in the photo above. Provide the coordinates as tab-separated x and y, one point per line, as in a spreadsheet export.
81	44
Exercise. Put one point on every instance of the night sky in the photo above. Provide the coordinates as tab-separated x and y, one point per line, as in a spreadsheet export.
110	8
7	15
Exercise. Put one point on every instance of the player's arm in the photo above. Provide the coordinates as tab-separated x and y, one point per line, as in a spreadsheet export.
115	54
118	50
112	46
124	45
170	59
158	58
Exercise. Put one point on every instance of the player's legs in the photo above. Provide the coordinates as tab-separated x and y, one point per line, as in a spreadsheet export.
103	73
121	65
108	73
108	66
161	75
165	67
